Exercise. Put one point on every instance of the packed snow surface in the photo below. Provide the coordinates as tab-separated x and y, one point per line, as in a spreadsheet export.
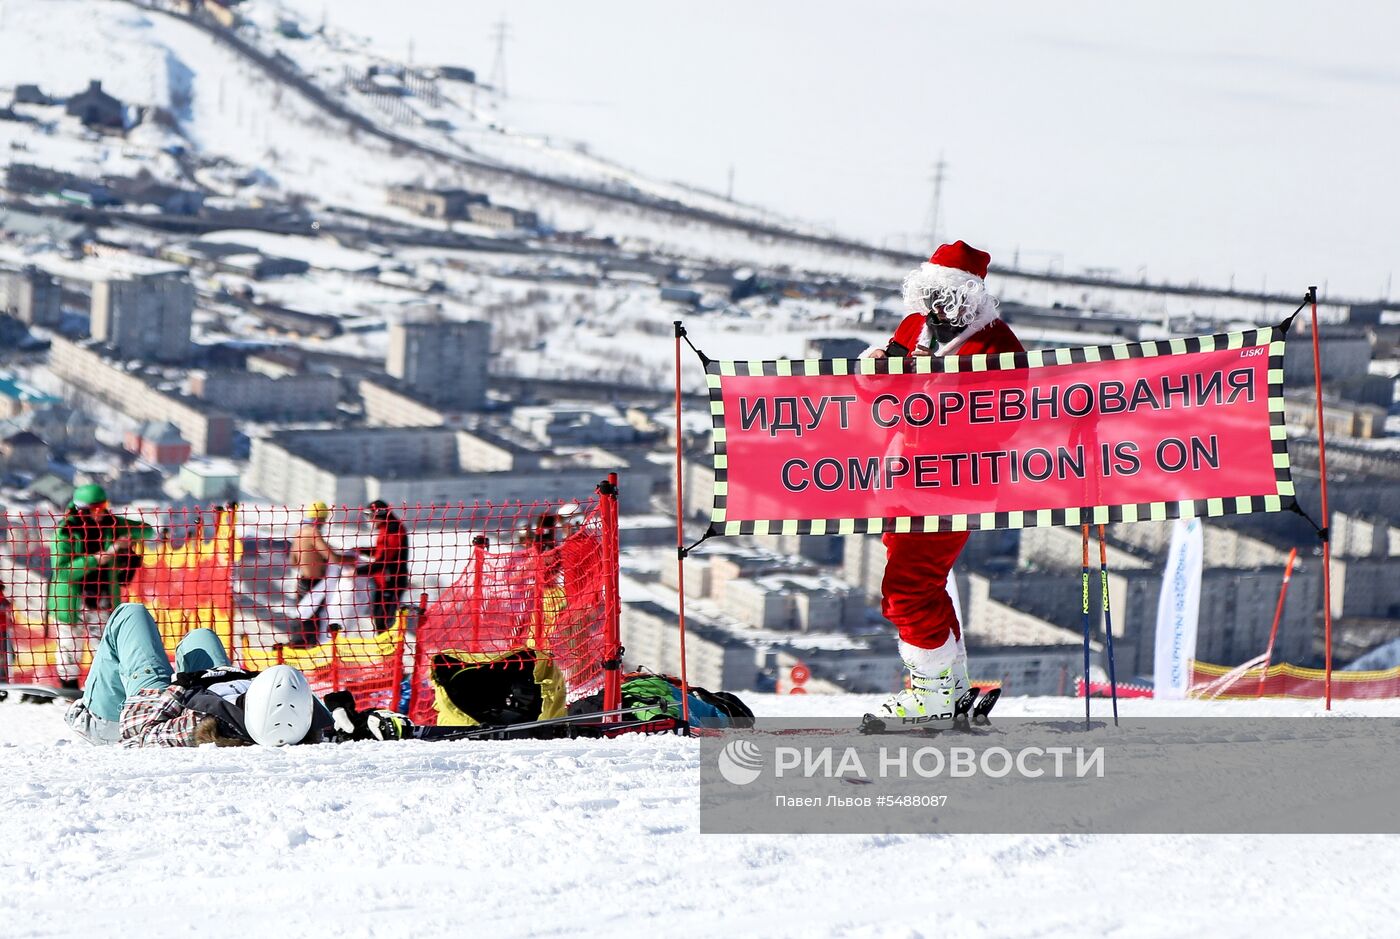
598	837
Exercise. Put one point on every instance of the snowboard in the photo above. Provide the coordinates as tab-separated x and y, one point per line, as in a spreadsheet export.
40	691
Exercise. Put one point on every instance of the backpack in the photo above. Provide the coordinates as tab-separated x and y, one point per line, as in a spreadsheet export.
651	696
472	688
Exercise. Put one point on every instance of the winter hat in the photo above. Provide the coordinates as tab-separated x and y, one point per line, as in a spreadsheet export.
952	279
89	495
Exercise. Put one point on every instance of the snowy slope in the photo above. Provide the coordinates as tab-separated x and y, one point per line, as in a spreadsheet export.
226	107
594	838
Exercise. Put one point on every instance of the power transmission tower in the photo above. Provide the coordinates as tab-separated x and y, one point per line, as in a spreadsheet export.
500	32
939	175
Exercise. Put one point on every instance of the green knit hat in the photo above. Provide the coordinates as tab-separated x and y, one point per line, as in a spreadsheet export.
91	494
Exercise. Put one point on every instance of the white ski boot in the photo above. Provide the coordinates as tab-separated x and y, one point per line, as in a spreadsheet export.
960	670
937	679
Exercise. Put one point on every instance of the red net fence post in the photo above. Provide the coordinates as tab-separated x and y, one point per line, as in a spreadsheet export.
6	615
401	629
539	586
479	546
335	657
612	679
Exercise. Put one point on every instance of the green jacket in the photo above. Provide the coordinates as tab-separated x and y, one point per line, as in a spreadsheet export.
76	570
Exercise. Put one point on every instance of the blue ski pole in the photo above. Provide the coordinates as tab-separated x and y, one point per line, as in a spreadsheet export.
1085	591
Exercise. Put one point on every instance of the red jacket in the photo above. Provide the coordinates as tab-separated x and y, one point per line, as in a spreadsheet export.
388	563
914	594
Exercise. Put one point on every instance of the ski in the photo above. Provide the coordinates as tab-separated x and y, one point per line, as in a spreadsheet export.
982	710
504	731
963	709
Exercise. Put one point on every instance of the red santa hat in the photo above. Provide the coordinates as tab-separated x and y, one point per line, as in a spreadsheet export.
952	279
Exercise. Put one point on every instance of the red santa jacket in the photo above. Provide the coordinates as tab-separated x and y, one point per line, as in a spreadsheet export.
914	593
992	339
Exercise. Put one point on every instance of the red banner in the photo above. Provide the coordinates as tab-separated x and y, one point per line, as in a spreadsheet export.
1186	427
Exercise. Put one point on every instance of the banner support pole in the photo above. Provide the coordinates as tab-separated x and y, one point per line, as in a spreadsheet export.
681	550
1084	583
1278	614
1108	623
612	675
1324	533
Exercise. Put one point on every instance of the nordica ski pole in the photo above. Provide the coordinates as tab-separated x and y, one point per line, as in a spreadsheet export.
1085	591
1108	624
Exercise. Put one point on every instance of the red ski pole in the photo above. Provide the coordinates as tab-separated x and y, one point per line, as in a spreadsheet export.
1324	534
1278	613
680	531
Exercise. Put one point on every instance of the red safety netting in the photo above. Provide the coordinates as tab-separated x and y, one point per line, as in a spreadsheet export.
337	592
549	587
1102	689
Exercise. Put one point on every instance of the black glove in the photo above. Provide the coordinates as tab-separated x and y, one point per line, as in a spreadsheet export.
374	724
383	724
211	676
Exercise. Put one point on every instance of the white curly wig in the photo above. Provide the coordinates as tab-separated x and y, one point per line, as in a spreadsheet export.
962	296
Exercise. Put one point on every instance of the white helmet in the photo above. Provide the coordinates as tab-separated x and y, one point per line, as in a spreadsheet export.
277	707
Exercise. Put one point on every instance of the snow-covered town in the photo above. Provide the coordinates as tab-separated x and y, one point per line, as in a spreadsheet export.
325	345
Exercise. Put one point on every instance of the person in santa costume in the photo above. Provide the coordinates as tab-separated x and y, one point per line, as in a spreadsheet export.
950	313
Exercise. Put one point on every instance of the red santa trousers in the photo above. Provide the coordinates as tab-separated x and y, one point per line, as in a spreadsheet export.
914	592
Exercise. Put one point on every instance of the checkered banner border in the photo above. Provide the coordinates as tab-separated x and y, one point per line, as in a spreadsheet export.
1270	336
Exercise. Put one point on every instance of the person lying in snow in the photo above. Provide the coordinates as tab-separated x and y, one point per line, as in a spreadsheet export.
133	698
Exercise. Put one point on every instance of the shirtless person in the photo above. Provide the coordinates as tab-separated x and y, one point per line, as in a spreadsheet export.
311	555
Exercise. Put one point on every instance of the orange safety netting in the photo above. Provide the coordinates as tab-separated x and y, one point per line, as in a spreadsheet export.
548	577
552	590
1280	681
1292	681
186	577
